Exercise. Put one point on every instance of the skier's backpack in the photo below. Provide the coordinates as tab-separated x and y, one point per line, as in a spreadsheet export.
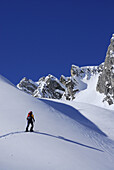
29	115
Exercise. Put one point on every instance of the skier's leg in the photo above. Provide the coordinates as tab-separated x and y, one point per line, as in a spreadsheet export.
32	125
27	126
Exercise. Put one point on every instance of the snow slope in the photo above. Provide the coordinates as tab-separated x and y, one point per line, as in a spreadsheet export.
90	95
63	139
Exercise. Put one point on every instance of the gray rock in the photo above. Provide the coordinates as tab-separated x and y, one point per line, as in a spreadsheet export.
66	87
49	87
27	85
86	71
105	83
71	87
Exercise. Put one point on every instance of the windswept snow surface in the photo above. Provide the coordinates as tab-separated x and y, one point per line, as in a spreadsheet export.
64	139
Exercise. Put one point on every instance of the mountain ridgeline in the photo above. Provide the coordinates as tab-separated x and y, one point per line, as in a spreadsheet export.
67	88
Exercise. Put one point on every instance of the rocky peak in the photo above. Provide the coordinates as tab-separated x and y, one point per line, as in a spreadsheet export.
66	87
106	79
87	71
46	87
27	85
71	87
49	87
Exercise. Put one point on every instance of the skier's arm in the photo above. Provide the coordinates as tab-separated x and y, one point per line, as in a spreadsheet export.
33	118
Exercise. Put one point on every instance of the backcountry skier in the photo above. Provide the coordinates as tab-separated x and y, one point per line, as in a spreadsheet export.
30	120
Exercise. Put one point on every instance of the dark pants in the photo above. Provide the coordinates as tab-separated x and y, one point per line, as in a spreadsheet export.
32	125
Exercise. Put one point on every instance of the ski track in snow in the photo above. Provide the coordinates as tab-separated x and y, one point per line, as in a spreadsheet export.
106	144
53	136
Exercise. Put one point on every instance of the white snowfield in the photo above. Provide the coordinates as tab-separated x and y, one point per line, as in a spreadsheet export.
71	136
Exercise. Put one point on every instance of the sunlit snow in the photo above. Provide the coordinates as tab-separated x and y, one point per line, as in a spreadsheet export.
67	135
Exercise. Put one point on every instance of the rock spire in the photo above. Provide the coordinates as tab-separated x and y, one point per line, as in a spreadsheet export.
105	83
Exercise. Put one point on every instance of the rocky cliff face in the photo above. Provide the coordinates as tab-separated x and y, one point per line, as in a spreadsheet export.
27	85
105	83
49	87
66	87
46	87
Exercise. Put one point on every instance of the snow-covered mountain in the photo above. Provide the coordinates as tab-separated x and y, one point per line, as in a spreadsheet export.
68	135
68	88
65	88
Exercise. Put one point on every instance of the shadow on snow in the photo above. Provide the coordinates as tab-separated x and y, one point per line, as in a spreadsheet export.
57	137
67	140
73	114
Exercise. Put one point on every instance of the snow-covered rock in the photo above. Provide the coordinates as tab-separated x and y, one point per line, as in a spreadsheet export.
46	87
66	87
27	85
105	83
86	71
49	87
71	87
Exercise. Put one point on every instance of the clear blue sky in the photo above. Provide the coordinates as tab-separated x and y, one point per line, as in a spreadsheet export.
38	37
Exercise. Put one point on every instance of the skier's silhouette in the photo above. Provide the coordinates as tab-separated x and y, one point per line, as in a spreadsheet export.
30	120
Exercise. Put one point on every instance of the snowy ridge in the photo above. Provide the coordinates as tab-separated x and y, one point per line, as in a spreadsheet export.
86	71
66	87
3	79
67	136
